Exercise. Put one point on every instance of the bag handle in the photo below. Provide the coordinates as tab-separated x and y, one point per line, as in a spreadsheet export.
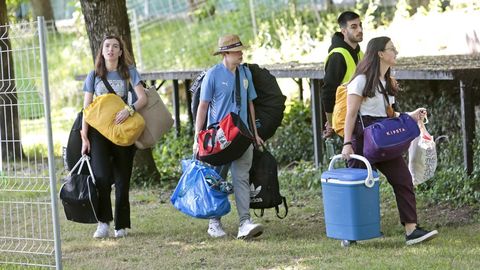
80	162
87	160
209	137
369	181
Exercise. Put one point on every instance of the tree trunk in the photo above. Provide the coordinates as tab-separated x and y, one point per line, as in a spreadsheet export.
10	142
110	17
43	8
103	18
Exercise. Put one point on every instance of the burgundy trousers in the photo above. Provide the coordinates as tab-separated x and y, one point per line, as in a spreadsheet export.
395	170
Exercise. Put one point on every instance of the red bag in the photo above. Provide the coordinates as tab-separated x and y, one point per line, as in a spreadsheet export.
224	142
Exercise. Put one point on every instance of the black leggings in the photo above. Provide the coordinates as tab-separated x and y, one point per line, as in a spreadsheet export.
395	170
111	164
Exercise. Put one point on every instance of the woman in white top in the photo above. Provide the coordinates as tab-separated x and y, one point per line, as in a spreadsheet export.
366	94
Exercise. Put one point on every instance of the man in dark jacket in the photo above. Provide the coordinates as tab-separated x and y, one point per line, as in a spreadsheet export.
343	56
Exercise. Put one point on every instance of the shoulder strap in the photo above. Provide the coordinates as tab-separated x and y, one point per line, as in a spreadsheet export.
249	113
384	92
286	209
93	80
109	87
389	108
238	97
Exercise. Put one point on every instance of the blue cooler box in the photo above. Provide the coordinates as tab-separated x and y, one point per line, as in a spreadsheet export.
351	202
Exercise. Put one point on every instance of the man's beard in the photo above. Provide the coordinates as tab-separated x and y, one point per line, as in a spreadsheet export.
354	39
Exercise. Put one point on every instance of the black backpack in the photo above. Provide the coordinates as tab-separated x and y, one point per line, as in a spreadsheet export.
264	187
195	90
269	104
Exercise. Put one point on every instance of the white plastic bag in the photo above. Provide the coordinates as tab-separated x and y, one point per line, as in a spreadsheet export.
422	156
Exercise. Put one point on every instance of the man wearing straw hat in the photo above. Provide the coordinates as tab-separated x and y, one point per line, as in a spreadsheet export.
217	99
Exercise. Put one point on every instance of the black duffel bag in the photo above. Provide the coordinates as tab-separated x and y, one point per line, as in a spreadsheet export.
79	194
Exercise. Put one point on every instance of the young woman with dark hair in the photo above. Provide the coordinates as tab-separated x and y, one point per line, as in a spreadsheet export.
366	100
111	163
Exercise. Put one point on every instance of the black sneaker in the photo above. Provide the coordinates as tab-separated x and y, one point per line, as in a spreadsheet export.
419	235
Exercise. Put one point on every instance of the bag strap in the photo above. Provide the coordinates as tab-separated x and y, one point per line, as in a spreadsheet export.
277	210
284	205
109	87
361	119
238	97
87	160
111	91
93	81
261	212
384	92
387	100
249	113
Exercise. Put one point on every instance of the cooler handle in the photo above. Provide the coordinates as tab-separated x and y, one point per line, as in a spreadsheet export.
369	182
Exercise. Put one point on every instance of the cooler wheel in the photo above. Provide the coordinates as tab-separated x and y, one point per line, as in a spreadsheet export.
347	243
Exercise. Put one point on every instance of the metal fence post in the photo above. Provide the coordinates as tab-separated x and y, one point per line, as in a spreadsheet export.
51	158
137	40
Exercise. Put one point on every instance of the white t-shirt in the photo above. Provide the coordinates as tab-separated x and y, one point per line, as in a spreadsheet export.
373	106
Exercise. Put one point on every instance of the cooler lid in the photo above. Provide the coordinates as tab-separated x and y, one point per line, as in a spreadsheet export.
347	176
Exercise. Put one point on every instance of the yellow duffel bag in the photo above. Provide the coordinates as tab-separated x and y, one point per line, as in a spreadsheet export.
101	113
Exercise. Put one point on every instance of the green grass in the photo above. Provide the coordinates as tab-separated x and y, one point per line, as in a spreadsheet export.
163	238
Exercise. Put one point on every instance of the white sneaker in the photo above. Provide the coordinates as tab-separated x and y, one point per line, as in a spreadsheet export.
248	230
215	228
120	233
102	230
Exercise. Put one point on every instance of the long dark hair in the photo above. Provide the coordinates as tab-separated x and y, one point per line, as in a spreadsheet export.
124	61
370	67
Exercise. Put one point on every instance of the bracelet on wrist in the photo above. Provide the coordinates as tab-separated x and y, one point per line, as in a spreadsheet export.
347	143
130	110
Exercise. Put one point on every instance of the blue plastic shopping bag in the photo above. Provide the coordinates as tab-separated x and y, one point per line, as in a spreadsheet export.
195	197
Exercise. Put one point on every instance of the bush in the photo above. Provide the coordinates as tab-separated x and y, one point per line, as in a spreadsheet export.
450	183
169	153
299	176
293	140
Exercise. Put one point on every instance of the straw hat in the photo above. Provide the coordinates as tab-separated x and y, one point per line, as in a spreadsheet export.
229	43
